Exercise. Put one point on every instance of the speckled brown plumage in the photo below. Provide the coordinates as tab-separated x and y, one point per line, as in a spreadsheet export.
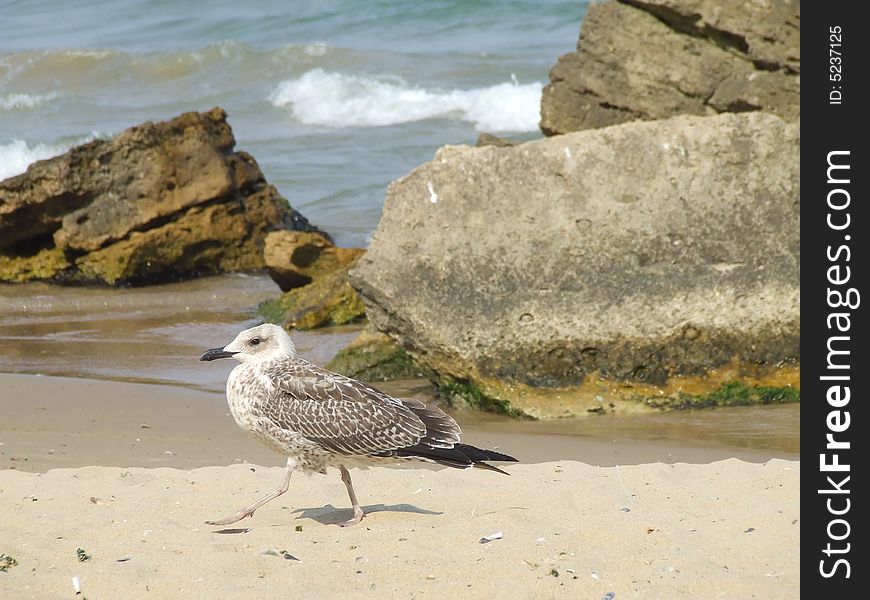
321	419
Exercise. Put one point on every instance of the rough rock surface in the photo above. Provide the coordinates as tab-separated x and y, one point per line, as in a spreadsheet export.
652	59
295	258
634	253
328	300
374	356
159	201
488	139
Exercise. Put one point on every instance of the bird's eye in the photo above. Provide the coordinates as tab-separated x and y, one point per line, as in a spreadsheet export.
255	341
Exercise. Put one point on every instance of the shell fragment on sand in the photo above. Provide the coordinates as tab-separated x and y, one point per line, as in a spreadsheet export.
491	537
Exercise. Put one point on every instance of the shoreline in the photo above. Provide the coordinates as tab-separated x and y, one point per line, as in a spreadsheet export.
60	422
582	515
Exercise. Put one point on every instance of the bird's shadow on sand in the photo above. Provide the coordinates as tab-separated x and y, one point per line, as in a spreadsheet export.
330	515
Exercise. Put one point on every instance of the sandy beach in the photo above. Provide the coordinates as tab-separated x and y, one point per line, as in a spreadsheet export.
123	459
582	216
725	530
126	463
649	525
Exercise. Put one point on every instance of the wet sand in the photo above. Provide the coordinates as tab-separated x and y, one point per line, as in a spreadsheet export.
97	345
54	422
155	335
151	334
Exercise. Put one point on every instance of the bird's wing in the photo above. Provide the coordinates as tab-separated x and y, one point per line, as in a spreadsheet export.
341	414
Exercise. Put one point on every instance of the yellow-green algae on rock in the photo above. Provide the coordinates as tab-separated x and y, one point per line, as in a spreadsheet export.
329	300
374	356
730	385
45	264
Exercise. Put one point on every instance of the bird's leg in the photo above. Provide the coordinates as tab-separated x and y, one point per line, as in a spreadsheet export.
358	513
249	511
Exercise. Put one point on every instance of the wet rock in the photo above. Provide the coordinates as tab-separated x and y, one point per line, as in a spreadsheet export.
374	356
157	202
652	59
633	254
328	300
296	258
47	263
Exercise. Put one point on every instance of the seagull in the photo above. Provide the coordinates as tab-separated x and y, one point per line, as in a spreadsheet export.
320	419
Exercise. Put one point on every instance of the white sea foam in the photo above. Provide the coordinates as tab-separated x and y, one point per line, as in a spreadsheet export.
95	54
16	155
19	101
338	100
316	49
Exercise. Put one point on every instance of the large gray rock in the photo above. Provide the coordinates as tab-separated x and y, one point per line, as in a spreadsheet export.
652	59
634	253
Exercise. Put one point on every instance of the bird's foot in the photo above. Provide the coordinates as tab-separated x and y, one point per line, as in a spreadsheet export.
232	518
358	515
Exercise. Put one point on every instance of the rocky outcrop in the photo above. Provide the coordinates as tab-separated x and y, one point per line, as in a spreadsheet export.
296	258
328	300
160	201
634	254
652	59
312	272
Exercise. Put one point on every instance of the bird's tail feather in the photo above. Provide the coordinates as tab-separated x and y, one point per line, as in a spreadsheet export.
480	454
461	456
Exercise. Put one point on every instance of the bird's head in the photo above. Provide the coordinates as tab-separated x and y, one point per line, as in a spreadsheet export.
256	344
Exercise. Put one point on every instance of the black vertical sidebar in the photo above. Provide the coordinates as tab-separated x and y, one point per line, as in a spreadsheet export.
835	226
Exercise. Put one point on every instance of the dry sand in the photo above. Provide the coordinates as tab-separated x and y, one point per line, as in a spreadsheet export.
728	529
725	530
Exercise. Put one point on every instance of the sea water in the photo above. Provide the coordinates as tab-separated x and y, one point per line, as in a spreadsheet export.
334	98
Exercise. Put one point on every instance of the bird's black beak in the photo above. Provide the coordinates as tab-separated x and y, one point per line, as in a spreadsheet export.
216	353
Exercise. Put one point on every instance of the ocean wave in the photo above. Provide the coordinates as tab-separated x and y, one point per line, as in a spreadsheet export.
316	49
22	101
89	53
208	74
16	155
339	100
